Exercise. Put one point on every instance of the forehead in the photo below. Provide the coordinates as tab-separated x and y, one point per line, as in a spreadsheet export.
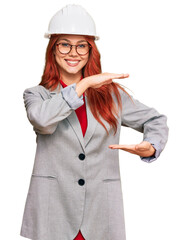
72	38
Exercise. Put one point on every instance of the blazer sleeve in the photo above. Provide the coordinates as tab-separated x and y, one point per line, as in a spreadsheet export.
45	110
146	120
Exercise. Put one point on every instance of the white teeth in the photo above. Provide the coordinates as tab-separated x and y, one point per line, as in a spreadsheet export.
72	62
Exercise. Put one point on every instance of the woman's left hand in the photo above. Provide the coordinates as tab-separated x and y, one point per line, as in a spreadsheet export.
144	149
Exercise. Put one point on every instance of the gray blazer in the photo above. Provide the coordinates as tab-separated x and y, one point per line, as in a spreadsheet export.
75	183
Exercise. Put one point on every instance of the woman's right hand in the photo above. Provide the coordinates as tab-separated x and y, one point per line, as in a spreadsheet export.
96	81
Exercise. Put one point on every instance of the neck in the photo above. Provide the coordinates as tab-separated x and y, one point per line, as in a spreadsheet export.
68	78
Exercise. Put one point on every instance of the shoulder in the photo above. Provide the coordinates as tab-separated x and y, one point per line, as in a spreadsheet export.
36	92
36	89
39	90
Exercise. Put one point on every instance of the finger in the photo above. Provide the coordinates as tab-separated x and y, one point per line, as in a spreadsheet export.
132	149
124	147
114	146
122	75
125	75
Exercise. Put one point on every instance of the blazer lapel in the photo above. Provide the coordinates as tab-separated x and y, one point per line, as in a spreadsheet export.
74	122
91	124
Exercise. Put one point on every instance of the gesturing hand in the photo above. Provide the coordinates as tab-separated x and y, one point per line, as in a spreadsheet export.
144	149
96	81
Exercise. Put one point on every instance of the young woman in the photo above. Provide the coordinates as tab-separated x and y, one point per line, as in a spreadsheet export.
77	113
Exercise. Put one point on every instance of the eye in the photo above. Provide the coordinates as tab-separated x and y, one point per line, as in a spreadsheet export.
65	44
82	45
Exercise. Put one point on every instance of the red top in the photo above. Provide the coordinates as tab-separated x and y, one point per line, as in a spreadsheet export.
80	112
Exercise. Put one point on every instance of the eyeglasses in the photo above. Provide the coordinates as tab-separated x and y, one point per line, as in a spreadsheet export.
81	49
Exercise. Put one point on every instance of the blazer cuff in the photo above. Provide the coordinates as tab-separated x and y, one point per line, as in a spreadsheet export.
70	96
158	148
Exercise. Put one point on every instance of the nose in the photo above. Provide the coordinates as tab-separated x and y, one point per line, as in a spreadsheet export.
73	50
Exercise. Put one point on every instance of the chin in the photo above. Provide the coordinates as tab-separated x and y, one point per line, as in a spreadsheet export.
73	71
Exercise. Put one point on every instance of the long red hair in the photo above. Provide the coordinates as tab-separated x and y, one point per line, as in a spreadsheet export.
100	100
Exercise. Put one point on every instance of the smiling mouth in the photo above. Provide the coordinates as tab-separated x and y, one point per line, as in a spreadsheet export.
72	63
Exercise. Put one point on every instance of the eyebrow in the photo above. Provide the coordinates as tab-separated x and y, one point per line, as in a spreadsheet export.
70	41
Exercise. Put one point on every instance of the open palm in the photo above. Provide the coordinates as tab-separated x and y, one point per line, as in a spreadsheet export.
144	149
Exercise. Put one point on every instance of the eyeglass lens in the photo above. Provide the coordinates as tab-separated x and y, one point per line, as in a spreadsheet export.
80	48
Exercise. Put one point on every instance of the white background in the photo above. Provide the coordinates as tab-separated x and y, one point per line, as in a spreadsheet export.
147	39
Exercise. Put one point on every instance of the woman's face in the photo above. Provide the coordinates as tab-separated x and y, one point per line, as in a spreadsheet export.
72	62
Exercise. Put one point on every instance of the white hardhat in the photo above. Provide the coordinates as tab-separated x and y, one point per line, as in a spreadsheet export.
72	19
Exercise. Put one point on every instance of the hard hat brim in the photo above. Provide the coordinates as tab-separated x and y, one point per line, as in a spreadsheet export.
48	35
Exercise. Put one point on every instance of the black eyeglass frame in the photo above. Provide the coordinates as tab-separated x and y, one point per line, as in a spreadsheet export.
57	44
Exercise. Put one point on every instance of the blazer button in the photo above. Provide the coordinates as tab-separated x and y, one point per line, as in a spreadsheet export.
81	182
81	156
